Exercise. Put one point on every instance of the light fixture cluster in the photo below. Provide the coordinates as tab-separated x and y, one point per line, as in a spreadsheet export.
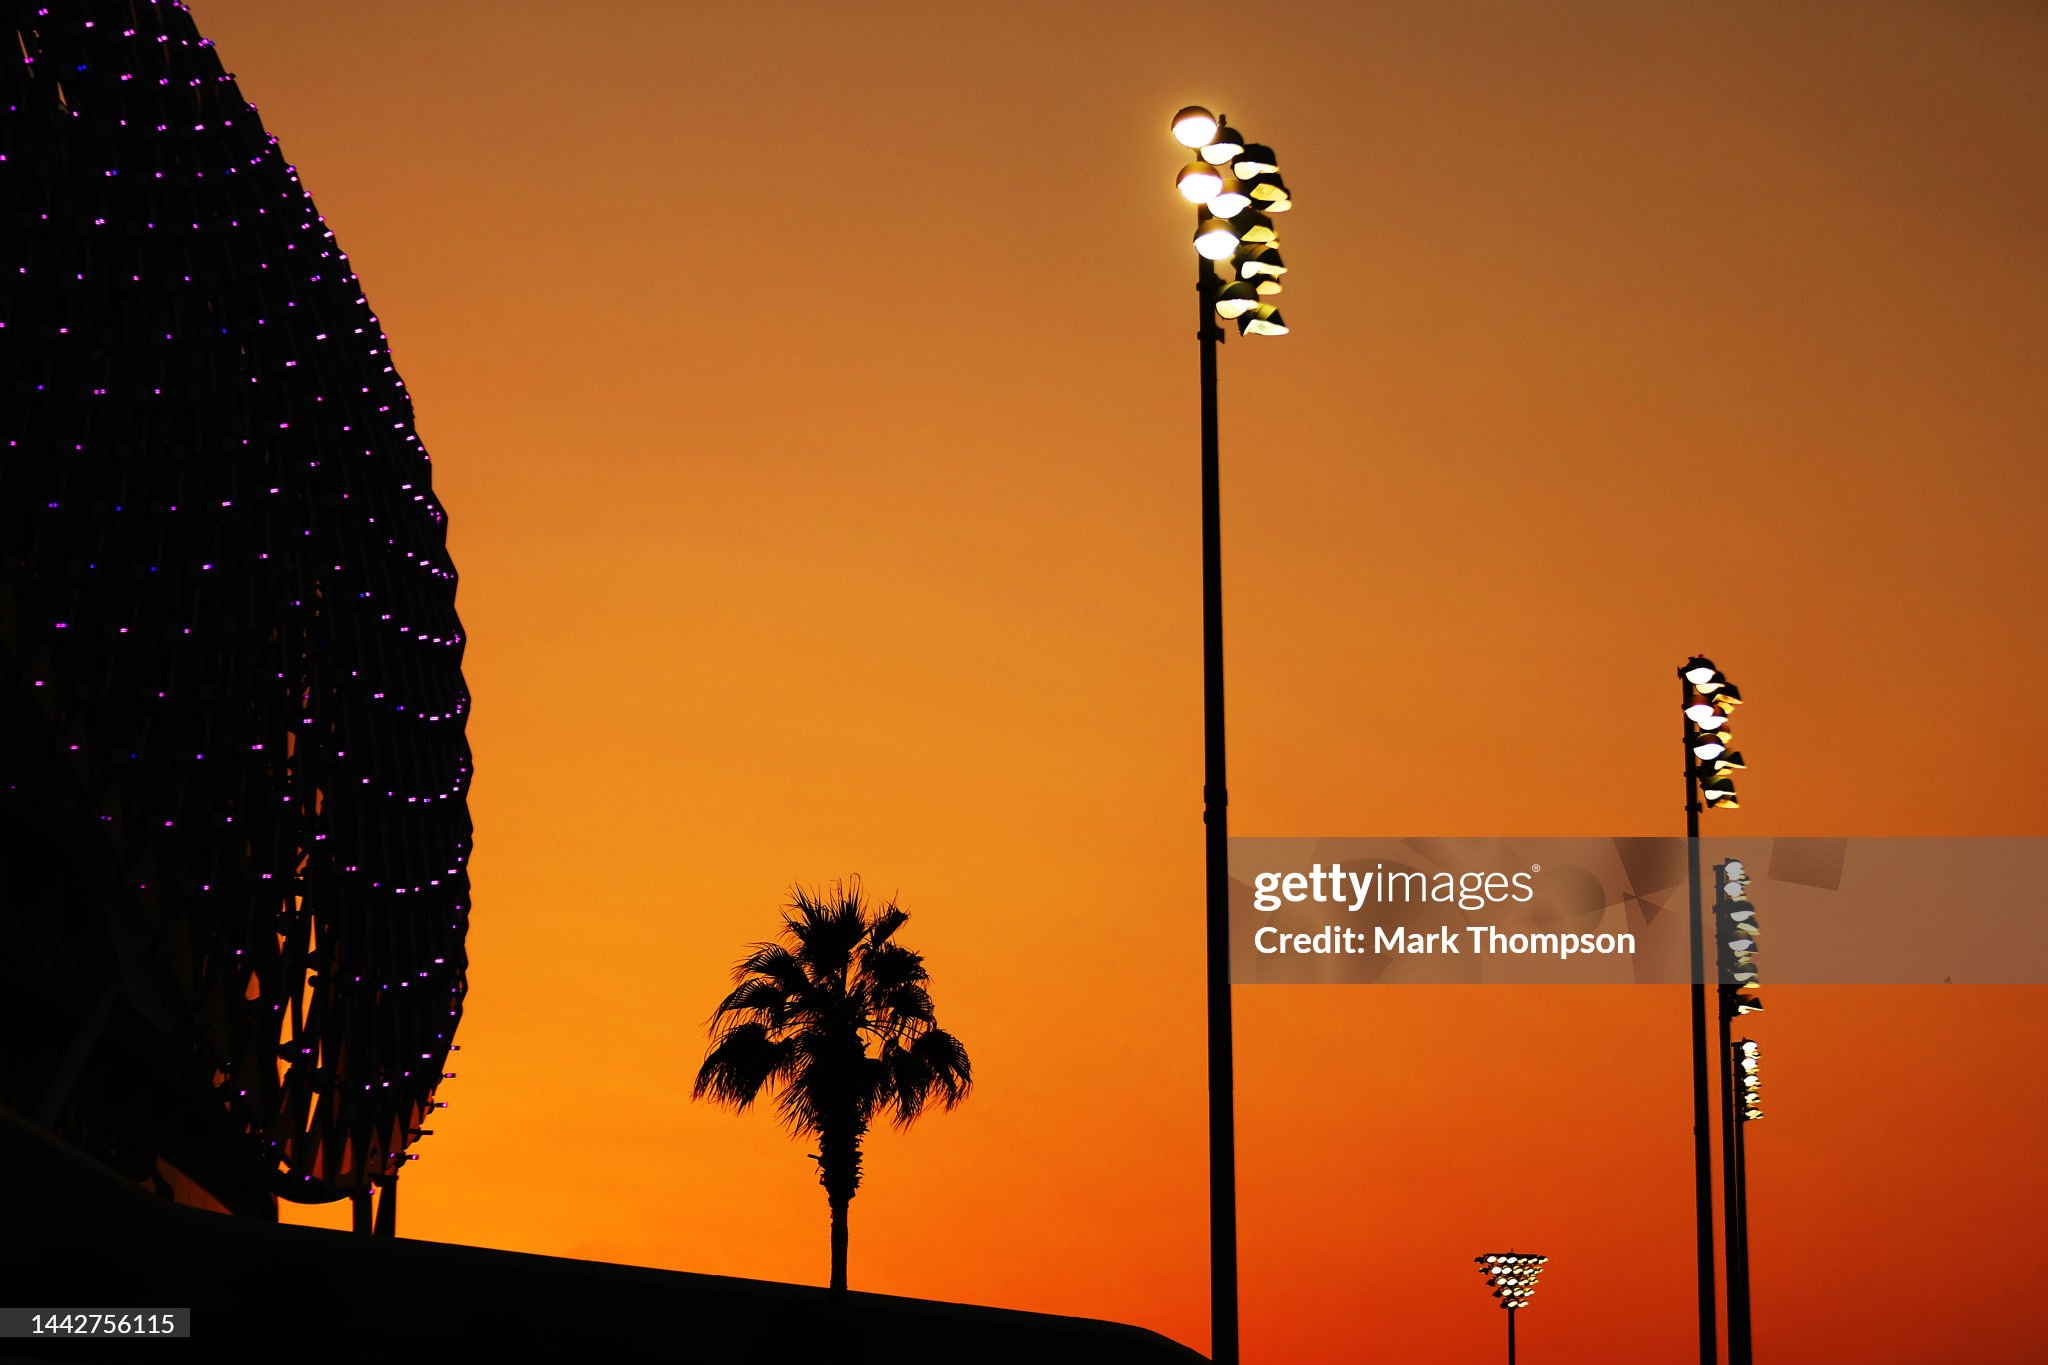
1236	185
1736	918
1751	1103
1715	761
1512	1276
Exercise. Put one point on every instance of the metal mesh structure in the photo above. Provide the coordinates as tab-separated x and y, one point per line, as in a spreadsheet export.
233	773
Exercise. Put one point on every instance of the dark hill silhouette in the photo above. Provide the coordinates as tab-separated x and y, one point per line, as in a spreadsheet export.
76	1232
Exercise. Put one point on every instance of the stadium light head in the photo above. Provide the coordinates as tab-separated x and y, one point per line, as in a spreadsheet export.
1199	182
1215	239
1194	126
1237	299
1260	262
1512	1276
1264	321
1223	147
1256	159
1229	200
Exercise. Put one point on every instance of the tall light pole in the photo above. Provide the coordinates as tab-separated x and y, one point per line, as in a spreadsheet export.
1512	1278
1705	699
1235	186
1749	1111
1735	930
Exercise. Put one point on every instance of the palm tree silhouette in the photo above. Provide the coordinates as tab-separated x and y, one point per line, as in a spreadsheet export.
835	1015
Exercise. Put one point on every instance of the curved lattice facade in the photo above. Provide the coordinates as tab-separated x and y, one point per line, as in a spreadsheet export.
233	773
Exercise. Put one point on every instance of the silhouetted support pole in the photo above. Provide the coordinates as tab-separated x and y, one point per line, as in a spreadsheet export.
1223	1347
1741	1350
387	1206
359	1209
1702	1143
1511	1336
1731	1212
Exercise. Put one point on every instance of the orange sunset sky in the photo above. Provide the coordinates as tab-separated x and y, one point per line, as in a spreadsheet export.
812	391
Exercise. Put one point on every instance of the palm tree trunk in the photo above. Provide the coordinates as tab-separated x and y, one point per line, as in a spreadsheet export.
839	1173
839	1245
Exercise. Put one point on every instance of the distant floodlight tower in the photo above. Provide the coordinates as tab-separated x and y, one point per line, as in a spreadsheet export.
1512	1277
1236	189
1741	1099
1705	700
1735	929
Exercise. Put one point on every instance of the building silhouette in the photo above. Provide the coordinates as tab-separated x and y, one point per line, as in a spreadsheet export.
233	773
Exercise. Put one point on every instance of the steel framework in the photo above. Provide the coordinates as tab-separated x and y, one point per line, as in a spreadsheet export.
234	829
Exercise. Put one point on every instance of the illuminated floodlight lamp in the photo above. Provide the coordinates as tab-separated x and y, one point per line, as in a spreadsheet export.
1256	262
1199	182
1215	239
1195	126
1269	192
1699	670
1720	794
1256	229
1264	321
1223	147
1229	200
1237	299
1706	748
1728	762
1511	1276
1255	158
1705	716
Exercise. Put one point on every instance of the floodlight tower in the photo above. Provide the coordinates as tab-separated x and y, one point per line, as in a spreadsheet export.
1236	188
1512	1277
1705	699
1735	931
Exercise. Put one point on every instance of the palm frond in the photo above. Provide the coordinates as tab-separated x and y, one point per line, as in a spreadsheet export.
886	922
826	926
742	1059
762	999
952	1072
775	962
891	964
904	1008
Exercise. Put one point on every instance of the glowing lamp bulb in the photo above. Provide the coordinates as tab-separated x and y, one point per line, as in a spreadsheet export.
1264	321
1194	126
1200	182
1236	299
1222	147
1215	239
1229	203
